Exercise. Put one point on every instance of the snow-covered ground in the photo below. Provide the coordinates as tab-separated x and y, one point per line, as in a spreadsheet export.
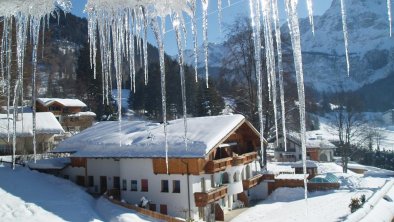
327	130
31	196
288	204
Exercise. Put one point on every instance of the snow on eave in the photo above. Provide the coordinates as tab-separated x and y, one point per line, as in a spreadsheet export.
140	139
65	102
47	124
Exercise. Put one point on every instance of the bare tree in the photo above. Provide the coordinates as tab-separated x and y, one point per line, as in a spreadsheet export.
349	124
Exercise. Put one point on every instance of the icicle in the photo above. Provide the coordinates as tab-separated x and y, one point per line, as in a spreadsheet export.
179	35
270	56
255	19
389	14
345	35
292	16
220	15
205	36
145	39
194	33
35	30
14	120
159	38
309	5
275	15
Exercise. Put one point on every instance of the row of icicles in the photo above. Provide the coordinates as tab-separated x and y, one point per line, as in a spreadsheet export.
117	27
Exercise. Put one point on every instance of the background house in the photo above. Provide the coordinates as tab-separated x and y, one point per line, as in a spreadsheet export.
217	172
318	148
47	127
69	112
388	117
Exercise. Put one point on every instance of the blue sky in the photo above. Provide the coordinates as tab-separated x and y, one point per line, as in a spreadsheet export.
229	14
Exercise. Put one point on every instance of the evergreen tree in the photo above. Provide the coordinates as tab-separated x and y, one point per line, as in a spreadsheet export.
90	90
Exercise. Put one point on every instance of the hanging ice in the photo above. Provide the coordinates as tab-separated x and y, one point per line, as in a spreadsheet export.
309	5
270	56
275	15
194	33
345	35
178	21
255	20
205	36
292	17
25	14
389	14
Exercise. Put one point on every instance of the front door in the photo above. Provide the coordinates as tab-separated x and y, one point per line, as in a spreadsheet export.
103	184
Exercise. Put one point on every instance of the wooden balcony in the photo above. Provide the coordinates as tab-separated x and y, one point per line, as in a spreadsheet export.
214	166
244	158
268	177
203	198
249	157
252	182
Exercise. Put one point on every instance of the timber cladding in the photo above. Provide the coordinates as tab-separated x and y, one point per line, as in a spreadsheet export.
179	166
78	162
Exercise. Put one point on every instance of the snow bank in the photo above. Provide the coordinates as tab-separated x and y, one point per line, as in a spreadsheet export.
31	196
376	208
114	213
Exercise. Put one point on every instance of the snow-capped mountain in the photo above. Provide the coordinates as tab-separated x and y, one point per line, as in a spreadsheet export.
370	46
216	52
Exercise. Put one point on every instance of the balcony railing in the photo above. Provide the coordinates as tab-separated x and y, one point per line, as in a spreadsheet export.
287	151
249	157
252	182
214	166
204	198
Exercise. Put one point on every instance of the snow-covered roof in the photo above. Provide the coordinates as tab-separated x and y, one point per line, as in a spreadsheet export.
313	140
287	176
309	164
145	139
46	123
53	163
64	102
88	113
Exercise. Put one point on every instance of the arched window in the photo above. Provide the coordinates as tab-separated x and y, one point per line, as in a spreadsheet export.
225	178
236	177
248	174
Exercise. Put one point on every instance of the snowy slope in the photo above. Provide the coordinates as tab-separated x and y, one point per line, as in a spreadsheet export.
31	196
288	204
370	46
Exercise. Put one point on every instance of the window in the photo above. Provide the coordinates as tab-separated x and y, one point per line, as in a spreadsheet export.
164	186
176	186
90	181
144	185
163	209
152	207
124	184
134	185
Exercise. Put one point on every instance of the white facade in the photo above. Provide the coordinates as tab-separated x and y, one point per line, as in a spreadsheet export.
176	203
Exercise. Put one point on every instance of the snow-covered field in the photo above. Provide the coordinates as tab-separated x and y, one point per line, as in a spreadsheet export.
288	204
327	130
31	196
